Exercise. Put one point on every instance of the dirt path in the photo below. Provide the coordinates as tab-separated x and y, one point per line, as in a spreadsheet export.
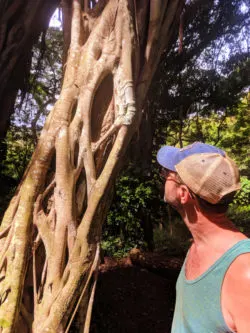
133	300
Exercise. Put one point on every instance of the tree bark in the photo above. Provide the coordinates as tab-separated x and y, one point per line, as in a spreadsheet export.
51	232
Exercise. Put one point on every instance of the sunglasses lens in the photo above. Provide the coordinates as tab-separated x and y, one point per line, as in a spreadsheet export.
164	173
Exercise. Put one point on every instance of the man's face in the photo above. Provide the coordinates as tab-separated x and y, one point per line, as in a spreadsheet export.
171	188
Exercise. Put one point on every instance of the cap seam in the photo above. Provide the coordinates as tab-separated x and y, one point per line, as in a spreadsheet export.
209	173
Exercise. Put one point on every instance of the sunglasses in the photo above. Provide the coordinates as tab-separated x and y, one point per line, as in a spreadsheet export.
164	173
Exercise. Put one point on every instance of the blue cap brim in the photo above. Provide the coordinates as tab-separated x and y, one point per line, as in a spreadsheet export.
166	157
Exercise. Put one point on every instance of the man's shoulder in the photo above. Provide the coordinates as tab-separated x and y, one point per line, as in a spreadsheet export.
236	292
237	277
240	268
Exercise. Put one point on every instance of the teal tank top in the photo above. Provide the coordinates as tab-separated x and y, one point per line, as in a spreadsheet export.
198	301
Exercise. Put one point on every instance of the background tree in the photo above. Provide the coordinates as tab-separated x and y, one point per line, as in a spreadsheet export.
209	74
21	23
31	109
196	95
52	227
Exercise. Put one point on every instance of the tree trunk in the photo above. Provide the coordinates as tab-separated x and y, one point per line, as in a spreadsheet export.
51	232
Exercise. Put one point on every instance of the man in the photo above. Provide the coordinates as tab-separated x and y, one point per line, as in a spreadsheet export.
213	288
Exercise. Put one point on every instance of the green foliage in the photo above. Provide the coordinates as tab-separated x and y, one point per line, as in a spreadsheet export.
175	238
239	210
20	147
113	246
230	130
242	198
235	138
41	92
135	200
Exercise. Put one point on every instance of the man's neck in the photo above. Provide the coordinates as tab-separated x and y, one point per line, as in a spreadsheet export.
212	237
214	230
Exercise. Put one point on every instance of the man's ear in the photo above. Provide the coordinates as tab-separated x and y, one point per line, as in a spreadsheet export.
184	194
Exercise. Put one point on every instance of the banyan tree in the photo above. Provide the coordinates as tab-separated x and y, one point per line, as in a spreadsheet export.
50	234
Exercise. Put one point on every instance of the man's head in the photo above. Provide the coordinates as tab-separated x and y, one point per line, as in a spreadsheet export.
206	170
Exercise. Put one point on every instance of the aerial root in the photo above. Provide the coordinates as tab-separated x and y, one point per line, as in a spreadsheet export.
4	232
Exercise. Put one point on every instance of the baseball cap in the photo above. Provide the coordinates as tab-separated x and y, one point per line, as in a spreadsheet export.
205	169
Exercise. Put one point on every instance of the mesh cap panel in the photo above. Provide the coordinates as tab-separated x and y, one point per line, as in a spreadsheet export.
210	176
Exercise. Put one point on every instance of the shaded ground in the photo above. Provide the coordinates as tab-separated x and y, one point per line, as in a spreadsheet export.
132	299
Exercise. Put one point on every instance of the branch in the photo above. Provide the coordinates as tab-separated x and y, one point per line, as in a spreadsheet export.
4	232
26	315
66	14
91	301
49	188
126	110
34	276
172	14
76	25
6	246
10	212
117	124
44	272
85	151
63	204
92	270
40	220
157	10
